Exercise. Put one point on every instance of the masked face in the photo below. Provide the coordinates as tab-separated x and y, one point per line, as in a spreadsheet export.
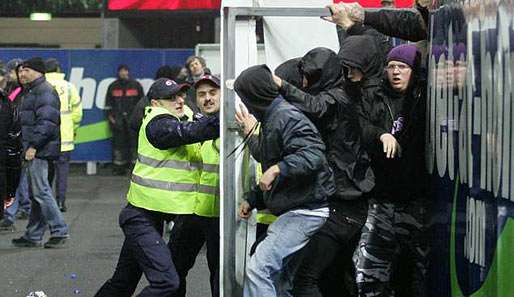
398	74
208	98
354	75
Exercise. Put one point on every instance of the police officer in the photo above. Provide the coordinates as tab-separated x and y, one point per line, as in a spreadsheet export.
71	115
164	183
191	231
120	100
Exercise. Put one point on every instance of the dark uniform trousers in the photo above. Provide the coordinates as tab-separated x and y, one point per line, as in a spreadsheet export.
187	237
330	250
391	230
144	251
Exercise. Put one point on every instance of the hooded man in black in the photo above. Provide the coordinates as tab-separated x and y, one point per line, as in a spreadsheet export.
325	100
295	184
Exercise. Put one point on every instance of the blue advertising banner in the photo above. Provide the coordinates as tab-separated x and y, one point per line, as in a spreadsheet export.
91	71
470	149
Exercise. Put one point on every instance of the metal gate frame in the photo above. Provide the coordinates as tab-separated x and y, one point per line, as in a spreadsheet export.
228	180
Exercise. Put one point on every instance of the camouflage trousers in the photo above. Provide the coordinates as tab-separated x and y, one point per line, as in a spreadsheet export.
392	230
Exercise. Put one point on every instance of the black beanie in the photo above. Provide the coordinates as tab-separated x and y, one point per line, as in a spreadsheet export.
36	64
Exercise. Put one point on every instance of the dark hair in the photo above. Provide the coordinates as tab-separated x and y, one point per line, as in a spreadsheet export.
52	65
170	72
123	66
192	58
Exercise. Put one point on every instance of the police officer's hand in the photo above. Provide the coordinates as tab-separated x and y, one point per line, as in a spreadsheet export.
245	211
8	201
30	154
391	146
245	119
268	178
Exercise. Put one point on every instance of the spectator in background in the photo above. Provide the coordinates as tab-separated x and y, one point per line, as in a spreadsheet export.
20	209
195	66
10	151
13	88
121	99
40	121
71	115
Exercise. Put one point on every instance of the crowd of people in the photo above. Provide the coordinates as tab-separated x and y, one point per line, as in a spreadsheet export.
339	137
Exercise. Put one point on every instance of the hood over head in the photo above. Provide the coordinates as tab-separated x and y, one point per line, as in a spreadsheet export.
322	68
362	52
290	72
256	88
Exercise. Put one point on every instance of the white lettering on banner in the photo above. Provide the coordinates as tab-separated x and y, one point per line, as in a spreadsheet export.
102	91
93	96
474	240
456	114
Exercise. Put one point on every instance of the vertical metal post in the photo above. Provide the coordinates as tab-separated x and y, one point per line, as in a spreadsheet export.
228	139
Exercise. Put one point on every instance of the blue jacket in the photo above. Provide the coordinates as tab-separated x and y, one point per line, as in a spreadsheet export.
40	119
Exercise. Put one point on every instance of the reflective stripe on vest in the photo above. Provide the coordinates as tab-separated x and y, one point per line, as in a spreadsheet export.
208	202
165	180
265	217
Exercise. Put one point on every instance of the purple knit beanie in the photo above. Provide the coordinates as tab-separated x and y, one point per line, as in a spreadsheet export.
405	53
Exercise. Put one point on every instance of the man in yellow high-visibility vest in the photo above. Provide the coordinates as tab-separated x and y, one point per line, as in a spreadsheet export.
192	231
71	115
164	183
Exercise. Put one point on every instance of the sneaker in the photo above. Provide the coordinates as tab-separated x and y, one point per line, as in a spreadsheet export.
23	242
56	243
22	215
6	225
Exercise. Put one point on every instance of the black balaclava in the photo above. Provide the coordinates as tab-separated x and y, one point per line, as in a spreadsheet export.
361	52
322	68
256	88
290	72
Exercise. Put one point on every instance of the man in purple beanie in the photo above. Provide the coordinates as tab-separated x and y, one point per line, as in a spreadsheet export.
393	123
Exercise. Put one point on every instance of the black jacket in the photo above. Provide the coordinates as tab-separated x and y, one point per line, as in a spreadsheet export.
404	177
166	131
408	24
40	119
121	98
333	111
136	118
289	139
10	148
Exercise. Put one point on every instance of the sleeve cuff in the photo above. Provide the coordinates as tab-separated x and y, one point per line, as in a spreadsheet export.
283	168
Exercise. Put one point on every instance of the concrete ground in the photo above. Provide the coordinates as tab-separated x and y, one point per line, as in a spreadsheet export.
94	203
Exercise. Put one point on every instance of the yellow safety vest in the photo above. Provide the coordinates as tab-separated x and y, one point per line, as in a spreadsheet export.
71	108
263	216
208	198
164	180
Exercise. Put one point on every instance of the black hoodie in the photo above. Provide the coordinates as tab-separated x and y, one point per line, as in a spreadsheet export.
402	178
333	111
287	139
